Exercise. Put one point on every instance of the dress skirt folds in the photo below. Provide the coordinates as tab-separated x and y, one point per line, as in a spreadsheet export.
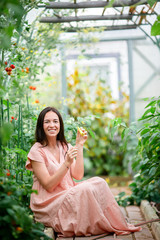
75	209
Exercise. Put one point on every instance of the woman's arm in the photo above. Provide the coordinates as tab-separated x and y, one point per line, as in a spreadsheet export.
77	168
49	182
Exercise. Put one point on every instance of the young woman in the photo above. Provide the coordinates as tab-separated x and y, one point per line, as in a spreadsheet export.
70	208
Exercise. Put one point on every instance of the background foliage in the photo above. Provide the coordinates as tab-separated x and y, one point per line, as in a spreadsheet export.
86	99
146	158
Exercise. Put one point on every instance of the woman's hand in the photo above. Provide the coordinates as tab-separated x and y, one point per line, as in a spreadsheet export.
71	154
81	136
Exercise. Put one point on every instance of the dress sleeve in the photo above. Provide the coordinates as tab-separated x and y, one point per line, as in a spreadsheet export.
35	154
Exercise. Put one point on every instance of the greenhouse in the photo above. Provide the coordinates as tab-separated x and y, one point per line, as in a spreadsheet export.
80	119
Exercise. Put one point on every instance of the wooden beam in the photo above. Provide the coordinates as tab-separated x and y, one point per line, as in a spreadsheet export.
91	4
105	28
89	18
84	18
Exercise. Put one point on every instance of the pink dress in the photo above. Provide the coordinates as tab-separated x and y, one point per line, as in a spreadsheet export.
82	209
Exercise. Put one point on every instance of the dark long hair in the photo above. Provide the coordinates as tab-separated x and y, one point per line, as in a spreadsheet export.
40	135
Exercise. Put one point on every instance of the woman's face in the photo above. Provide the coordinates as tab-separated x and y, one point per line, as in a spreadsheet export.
51	124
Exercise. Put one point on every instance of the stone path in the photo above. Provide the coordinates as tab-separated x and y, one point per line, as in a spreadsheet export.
134	216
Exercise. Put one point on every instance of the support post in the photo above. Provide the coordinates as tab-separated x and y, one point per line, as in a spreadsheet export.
131	84
63	80
119	76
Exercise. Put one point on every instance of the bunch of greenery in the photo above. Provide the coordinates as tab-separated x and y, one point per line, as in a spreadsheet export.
26	49
16	221
12	17
17	135
146	159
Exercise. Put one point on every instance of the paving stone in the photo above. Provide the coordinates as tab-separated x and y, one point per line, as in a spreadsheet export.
93	237
143	238
133	209
145	234
134	213
135	216
126	237
108	237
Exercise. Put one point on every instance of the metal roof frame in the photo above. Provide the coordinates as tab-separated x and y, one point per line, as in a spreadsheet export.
90	4
134	18
138	15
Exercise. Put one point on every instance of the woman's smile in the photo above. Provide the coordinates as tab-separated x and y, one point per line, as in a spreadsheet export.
51	124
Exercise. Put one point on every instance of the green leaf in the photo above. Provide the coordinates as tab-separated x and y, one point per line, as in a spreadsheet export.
151	2
123	124
153	109
135	164
146	112
146	117
123	133
5	132
145	139
144	131
5	103
127	132
151	103
91	133
113	130
152	171
154	137
121	194
155	30
154	126
133	184
145	99
10	211
147	181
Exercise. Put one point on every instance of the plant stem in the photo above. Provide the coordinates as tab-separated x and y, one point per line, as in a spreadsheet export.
8	119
